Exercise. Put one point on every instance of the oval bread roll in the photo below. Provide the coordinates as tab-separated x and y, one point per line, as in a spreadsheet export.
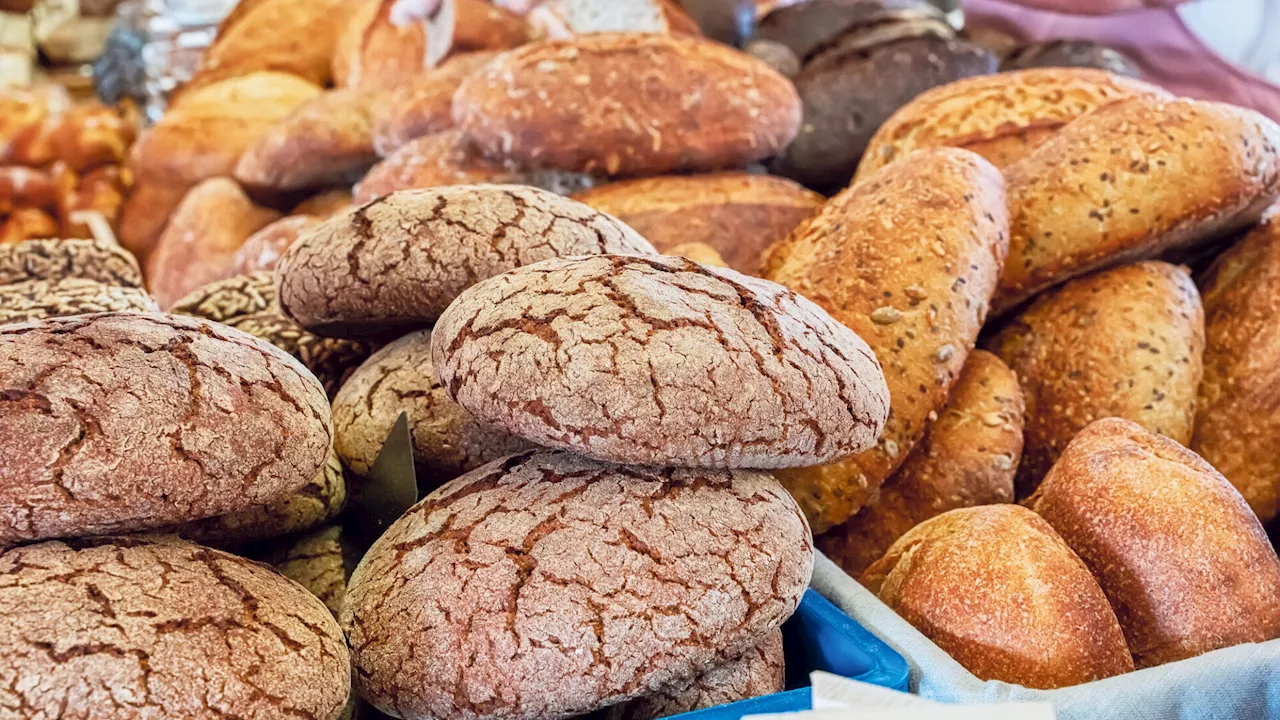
998	590
1123	343
423	104
291	36
1237	422
1132	180
1184	562
967	458
622	104
908	259
700	253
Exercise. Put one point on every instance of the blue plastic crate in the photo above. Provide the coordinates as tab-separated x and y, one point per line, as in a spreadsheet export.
819	637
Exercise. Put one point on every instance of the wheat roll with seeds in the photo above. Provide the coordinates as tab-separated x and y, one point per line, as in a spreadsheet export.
57	259
423	104
39	299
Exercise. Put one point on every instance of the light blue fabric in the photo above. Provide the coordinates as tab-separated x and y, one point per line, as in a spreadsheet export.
1240	683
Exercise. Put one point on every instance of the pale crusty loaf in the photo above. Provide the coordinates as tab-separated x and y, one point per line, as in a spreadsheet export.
1184	562
557	19
290	36
967	458
423	104
619	104
908	259
1001	592
738	214
1125	342
1000	117
1131	180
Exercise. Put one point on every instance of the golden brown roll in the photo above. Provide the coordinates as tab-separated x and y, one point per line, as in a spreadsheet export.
967	458
998	590
290	36
422	105
1183	560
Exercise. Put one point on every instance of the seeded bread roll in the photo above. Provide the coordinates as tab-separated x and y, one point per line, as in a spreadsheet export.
759	671
1123	343
133	627
558	19
423	104
57	259
1237	424
447	440
967	458
1156	176
737	213
397	262
291	36
124	421
907	259
314	561
547	610
262	250
660	361
39	299
997	589
1184	562
618	104
1001	117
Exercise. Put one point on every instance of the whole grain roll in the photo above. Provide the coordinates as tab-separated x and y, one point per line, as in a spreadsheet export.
397	262
1123	343
57	259
660	361
400	378
967	458
1237	423
1133	180
737	213
39	299
423	104
1184	562
619	104
1001	117
1071	53
908	259
547	610
159	627
127	421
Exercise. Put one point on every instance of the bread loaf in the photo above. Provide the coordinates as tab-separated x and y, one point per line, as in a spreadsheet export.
967	458
1123	343
908	259
618	104
1001	117
1132	180
24	187
146	212
738	214
326	142
558	19
998	590
701	253
1183	560
58	259
39	299
289	36
1236	423
1071	53
422	104
262	250
324	205
120	421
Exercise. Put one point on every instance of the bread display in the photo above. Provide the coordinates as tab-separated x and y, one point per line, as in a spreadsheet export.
1236	425
1053	627
660	361
1001	117
131	448
967	458
55	259
39	299
1183	560
515	623
908	259
116	627
289	36
423	104
613	103
736	213
558	19
367	271
1122	343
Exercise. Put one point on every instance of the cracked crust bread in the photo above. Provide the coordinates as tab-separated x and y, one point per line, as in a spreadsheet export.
1001	117
1002	594
547	585
967	458
628	104
738	214
1183	560
395	263
423	104
133	627
447	440
1125	342
57	259
1237	424
39	299
908	259
660	361
126	421
1133	180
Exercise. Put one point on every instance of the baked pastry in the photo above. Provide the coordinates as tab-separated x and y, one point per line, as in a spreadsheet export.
262	250
422	104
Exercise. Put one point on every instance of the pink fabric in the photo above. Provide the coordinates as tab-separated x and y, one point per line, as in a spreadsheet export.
1156	38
